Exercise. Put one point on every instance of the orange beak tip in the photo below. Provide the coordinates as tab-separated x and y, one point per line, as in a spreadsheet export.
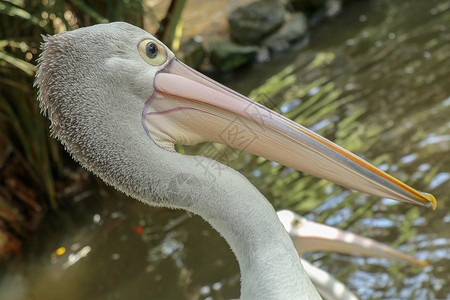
433	202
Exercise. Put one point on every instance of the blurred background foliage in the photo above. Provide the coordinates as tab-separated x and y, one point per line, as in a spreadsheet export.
29	159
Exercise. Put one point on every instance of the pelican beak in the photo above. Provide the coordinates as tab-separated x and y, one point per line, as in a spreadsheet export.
310	236
188	108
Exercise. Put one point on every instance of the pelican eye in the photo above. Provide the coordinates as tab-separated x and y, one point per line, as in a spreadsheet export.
152	52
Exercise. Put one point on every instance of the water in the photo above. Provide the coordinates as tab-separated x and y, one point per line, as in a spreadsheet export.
375	80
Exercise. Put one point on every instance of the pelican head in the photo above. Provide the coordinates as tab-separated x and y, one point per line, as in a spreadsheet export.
105	85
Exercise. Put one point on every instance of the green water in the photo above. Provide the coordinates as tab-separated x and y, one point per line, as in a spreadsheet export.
376	81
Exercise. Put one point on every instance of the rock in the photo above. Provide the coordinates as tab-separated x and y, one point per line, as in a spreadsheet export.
192	52
226	56
333	8
251	23
292	31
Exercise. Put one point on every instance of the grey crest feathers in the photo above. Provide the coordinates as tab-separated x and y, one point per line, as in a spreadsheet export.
65	52
92	85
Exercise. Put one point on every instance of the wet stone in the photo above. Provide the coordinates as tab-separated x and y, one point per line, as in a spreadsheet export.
226	56
251	23
295	28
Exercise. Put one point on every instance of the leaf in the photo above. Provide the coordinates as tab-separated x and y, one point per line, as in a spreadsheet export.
15	11
26	67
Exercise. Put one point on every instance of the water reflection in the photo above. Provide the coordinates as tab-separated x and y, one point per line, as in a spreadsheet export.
378	87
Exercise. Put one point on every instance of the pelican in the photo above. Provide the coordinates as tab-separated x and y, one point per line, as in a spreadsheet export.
311	236
119	101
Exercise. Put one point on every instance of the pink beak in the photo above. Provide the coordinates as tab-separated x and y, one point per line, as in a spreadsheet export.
188	108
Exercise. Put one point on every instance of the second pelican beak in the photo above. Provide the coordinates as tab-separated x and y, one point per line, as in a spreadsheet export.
188	108
310	236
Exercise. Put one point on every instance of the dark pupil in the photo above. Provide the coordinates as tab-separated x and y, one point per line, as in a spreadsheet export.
151	50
